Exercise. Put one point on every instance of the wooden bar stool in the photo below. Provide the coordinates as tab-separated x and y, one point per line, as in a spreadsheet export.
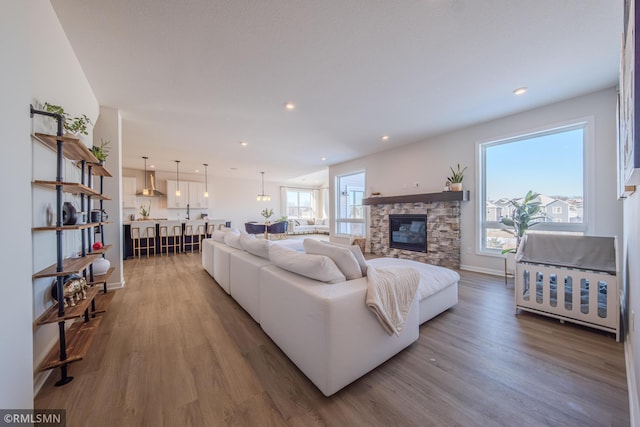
143	235
170	235
193	232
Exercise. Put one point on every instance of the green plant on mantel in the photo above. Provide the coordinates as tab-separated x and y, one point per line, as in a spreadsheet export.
525	214
456	175
75	125
102	151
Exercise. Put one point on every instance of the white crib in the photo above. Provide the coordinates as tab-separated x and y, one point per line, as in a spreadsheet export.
572	278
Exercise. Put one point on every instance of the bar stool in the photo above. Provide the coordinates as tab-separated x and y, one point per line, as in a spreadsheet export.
210	229
193	230
170	235
143	235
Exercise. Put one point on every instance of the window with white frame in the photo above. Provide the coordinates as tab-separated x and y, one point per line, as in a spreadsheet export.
300	203
350	212
550	163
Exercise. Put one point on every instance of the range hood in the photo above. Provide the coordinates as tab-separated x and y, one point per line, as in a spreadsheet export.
151	181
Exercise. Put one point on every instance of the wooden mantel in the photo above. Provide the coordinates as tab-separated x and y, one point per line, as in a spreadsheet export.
444	196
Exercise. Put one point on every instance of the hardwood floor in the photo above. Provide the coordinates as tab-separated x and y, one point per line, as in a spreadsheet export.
175	350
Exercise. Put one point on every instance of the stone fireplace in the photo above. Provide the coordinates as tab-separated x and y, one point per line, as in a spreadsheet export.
442	226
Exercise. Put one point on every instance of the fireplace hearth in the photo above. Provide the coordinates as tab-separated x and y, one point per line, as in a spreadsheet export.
408	232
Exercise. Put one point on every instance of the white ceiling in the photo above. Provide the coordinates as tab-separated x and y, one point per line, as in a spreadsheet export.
194	78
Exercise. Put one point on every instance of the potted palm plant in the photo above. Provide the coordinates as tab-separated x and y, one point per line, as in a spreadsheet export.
525	214
101	151
455	180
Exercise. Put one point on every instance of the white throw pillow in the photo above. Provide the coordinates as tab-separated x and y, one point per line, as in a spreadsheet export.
233	240
317	267
343	257
218	235
357	252
257	247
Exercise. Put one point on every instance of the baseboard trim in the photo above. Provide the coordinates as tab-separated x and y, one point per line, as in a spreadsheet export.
115	285
632	385
482	270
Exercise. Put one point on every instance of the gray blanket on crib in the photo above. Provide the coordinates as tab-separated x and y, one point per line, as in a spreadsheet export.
581	252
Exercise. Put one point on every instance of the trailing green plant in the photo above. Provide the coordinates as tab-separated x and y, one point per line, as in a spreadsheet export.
266	212
102	151
145	211
283	218
456	175
75	125
525	214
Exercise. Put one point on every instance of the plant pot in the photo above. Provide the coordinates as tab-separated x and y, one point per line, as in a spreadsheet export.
456	186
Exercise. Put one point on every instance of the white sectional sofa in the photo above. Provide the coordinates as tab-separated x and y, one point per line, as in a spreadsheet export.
325	329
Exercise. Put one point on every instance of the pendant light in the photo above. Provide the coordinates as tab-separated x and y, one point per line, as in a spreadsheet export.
145	189
263	197
206	186
177	178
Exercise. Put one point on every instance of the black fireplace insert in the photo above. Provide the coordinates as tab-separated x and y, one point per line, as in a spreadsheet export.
408	232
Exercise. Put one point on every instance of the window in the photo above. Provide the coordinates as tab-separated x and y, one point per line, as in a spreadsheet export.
550	163
350	212
300	203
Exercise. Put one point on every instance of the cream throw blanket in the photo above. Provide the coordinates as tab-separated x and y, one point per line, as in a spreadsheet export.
390	293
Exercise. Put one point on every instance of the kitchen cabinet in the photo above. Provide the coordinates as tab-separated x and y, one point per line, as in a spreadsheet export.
129	192
74	340
191	193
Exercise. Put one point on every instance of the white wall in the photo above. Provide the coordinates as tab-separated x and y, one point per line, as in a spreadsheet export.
395	171
16	389
109	128
55	76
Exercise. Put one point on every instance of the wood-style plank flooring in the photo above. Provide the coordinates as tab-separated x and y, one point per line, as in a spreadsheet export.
175	350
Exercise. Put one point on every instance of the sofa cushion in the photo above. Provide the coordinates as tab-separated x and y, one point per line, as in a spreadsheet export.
218	235
318	267
357	252
233	240
257	247
343	257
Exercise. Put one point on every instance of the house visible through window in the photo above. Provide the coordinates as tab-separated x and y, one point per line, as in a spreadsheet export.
549	163
350	212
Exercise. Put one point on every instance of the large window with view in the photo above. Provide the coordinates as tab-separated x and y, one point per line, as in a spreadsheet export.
549	163
300	203
350	212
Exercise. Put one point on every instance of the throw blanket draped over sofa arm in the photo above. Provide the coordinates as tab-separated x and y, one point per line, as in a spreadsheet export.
390	293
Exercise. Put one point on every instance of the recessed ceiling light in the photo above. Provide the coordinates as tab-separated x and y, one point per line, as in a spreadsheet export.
520	91
323	158
244	143
290	106
152	166
197	170
384	137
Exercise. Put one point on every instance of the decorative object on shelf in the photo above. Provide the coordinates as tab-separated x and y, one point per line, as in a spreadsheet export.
375	194
101	266
75	125
102	151
447	186
206	181
263	197
145	210
523	216
456	178
98	215
69	214
49	215
97	246
74	289
177	178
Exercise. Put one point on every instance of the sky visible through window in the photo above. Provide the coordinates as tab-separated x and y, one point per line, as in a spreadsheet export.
548	164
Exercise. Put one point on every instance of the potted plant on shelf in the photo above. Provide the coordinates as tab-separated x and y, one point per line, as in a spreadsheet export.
456	178
145	211
525	214
102	151
75	125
